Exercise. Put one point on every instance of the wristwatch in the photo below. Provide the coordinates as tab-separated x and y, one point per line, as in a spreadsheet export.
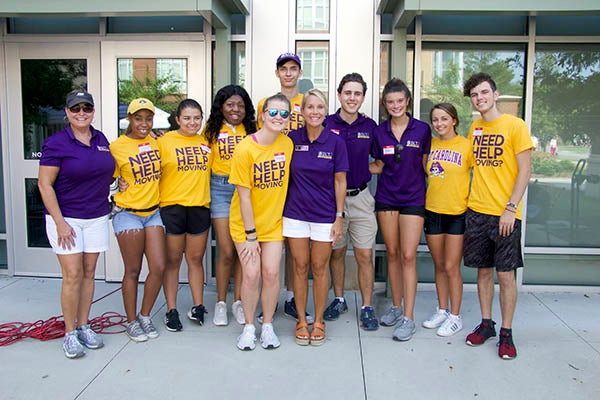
340	214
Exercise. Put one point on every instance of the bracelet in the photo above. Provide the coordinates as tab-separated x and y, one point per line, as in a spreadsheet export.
509	210
254	239
249	231
511	204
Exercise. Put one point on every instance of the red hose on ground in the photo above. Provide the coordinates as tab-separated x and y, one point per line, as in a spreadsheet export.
54	327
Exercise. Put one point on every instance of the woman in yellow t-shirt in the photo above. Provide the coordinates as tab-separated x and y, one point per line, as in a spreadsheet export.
260	173
231	119
137	223
184	200
448	176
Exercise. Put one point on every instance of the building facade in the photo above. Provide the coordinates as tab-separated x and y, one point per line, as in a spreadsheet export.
544	57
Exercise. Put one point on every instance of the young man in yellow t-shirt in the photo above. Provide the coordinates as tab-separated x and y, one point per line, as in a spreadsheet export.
502	168
288	71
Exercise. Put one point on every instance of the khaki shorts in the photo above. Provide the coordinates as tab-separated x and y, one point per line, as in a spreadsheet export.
360	223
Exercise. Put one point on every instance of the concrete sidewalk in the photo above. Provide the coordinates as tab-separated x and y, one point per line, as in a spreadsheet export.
557	337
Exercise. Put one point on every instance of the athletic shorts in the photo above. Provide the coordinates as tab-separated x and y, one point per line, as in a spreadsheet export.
91	235
221	192
437	224
360	223
180	220
128	221
320	232
485	248
408	210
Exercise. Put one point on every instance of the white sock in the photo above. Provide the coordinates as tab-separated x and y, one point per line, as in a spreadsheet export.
144	317
290	295
341	299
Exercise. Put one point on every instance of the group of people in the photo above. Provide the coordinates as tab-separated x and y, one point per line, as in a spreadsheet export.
295	177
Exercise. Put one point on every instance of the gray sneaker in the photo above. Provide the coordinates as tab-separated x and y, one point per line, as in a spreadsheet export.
147	326
89	338
392	316
405	330
135	332
71	345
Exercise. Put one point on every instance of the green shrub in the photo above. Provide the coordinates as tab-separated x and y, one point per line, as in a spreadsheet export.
545	164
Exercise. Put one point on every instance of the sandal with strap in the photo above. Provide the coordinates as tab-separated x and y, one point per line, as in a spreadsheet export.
302	337
317	336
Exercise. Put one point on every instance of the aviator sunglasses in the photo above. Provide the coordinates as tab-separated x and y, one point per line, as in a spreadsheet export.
283	113
87	108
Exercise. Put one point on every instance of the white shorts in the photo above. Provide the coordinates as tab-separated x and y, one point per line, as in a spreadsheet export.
293	228
91	235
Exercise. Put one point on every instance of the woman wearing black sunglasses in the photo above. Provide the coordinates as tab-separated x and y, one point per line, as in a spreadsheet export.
75	173
260	171
401	146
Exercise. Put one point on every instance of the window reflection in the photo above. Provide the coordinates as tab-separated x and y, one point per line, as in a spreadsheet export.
312	16
44	86
162	80
315	66
563	207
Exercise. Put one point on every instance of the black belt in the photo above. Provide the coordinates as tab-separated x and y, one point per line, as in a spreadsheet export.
154	207
355	192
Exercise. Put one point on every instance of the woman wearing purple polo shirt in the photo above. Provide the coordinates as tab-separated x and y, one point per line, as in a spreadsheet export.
75	174
401	146
312	217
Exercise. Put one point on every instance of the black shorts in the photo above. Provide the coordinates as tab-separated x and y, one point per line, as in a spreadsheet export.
437	224
485	248
179	220
409	210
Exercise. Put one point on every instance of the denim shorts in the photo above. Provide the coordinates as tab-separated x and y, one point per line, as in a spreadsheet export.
128	221
221	192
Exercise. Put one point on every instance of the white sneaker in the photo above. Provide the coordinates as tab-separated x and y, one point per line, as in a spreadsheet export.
436	319
220	317
268	338
247	338
238	312
451	325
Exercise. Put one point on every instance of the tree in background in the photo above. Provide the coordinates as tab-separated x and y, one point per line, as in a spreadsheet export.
163	92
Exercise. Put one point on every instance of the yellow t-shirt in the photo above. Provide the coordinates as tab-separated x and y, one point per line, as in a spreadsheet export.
186	162
296	119
265	170
448	175
138	162
224	146
495	148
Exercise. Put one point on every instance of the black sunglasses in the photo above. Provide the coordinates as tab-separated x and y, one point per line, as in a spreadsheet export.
398	152
87	108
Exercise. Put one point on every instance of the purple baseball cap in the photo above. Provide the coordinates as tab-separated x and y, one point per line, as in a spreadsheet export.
285	57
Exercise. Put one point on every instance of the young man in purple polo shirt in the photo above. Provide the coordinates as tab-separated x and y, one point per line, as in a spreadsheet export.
502	148
359	217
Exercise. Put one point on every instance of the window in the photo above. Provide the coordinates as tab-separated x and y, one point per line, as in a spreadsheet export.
312	16
315	65
238	63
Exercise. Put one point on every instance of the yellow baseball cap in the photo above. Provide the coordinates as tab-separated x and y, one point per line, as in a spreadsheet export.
140	104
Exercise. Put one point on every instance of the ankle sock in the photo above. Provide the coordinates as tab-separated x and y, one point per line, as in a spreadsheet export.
290	295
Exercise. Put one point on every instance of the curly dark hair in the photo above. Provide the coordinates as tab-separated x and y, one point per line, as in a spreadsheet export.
216	118
475	80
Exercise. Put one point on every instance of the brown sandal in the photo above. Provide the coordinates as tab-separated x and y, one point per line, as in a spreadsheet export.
302	337
317	336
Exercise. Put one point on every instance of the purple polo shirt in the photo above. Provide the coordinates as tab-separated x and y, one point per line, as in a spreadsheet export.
86	172
402	184
311	191
359	138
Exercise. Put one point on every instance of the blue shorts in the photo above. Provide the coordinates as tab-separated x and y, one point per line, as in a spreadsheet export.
128	221
221	192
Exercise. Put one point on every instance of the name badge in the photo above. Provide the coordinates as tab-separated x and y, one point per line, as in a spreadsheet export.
223	135
336	131
363	135
478	132
205	148
388	150
301	147
144	147
297	108
280	157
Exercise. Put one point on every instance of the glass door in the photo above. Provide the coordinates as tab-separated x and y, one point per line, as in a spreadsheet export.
39	77
164	72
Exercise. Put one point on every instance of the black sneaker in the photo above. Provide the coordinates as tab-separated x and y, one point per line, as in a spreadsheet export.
172	321
196	313
333	311
291	311
259	317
